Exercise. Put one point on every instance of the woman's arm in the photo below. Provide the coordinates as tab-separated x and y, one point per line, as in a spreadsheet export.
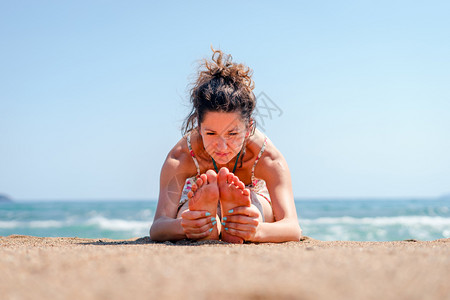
245	222
274	169
281	216
165	225
168	224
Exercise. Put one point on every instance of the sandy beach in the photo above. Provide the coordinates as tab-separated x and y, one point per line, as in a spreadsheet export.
74	268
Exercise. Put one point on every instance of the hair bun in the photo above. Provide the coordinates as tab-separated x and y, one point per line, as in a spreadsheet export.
223	66
222	86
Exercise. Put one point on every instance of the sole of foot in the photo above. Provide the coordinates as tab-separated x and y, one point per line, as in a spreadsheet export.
232	193
204	195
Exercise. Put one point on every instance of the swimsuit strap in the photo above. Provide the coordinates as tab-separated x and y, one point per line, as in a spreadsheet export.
257	159
235	163
188	140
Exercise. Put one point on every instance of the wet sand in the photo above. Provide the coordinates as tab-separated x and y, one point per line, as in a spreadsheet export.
73	268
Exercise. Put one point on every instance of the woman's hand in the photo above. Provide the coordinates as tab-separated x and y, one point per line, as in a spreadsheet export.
243	222
197	224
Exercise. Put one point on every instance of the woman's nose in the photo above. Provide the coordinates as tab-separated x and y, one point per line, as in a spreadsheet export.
221	144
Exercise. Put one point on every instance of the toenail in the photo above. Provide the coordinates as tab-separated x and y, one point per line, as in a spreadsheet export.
226	229
207	214
212	219
230	211
210	229
223	223
214	223
224	218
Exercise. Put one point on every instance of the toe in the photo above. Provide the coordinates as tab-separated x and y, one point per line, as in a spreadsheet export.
202	180
222	176
236	179
211	176
239	184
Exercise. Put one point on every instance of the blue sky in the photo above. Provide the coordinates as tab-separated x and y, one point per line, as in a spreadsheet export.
93	93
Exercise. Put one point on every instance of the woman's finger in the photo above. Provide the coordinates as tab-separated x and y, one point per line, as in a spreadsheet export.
245	235
195	214
240	219
250	211
189	228
241	227
197	236
198	222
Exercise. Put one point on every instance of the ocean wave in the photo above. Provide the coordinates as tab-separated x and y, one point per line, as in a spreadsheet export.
31	224
46	224
118	224
94	224
98	221
377	228
9	224
380	221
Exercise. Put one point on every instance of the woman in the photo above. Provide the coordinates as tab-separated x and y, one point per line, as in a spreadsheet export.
200	198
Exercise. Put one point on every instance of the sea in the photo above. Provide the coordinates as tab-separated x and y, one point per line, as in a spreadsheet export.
327	220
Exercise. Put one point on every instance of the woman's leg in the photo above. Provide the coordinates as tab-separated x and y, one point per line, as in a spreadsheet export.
263	205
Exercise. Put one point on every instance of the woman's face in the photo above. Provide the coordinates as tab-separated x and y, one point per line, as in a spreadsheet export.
223	134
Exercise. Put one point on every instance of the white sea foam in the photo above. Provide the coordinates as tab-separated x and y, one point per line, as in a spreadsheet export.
136	227
379	228
32	224
380	221
9	224
101	222
46	224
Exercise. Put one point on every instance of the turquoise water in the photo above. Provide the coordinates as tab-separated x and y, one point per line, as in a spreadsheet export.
352	220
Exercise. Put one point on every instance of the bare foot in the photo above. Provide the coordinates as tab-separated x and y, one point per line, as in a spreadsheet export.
204	195
232	194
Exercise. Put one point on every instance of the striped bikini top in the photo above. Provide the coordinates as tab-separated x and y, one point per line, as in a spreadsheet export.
254	179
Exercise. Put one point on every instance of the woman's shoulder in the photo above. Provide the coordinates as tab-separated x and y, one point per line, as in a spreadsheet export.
179	156
180	149
270	156
257	141
260	142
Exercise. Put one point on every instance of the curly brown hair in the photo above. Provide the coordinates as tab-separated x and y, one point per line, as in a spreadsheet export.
221	86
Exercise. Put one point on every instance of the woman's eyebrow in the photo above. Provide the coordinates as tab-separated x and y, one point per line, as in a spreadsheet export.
233	129
226	130
207	129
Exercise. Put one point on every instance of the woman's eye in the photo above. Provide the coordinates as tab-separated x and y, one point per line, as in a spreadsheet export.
233	133
210	133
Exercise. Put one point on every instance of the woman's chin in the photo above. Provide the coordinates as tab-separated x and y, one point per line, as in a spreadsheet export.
221	161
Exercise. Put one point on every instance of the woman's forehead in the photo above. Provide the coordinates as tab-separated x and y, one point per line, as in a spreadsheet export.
222	121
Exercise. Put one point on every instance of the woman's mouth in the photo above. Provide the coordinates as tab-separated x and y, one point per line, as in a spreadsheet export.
220	154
